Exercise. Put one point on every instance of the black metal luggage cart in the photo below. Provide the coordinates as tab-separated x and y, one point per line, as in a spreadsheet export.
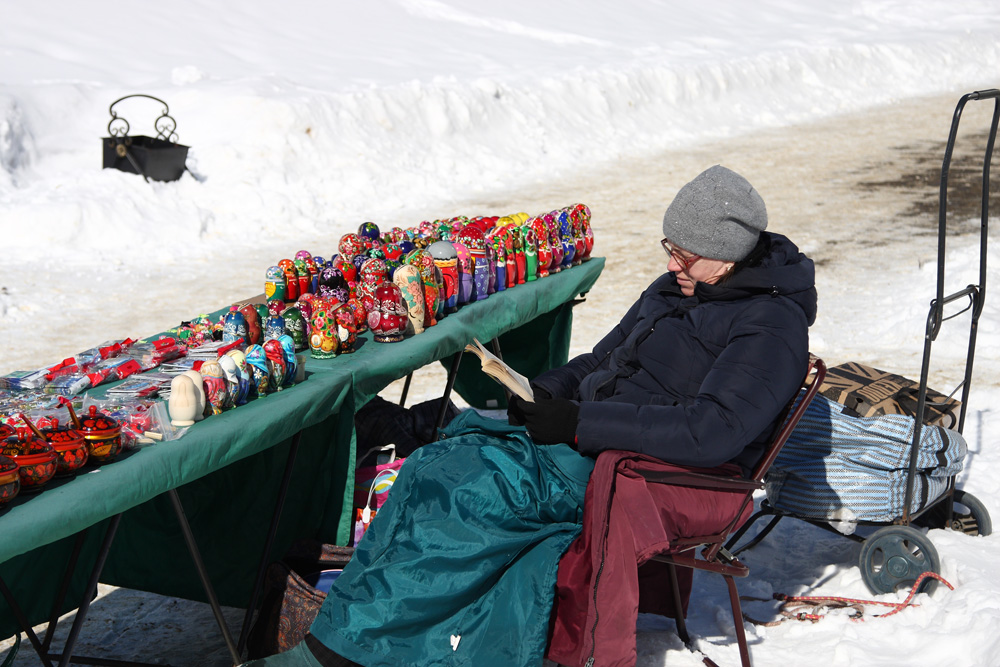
897	552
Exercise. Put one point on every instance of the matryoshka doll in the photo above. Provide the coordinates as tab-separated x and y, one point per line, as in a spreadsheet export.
555	243
466	274
423	262
499	258
446	259
323	343
508	244
260	372
388	319
566	238
578	238
232	378
305	306
288	348
520	261
350	246
295	327
274	326
304	277
355	305
411	285
544	249
333	284
276	362
216	388
370	231
242	374
235	327
588	231
347	328
254	330
274	283
347	268
472	237
291	279
275	307
530	252
373	274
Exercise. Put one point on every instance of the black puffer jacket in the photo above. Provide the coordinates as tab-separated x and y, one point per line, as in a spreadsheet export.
698	380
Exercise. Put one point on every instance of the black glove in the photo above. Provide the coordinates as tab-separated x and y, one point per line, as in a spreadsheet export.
551	420
515	413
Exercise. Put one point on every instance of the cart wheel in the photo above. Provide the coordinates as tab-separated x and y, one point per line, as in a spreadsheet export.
968	515
894	557
974	522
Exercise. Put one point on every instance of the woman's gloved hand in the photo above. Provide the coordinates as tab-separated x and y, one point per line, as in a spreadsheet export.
549	420
515	415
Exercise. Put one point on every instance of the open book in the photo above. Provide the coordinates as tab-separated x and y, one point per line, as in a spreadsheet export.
501	372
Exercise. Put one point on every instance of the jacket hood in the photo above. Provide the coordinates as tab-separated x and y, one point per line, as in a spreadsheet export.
775	267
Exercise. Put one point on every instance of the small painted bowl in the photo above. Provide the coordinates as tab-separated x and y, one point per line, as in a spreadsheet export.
36	458
71	448
103	435
10	480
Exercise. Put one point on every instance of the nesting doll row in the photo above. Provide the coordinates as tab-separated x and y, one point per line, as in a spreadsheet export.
399	282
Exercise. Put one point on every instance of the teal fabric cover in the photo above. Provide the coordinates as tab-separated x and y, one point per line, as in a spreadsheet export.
459	566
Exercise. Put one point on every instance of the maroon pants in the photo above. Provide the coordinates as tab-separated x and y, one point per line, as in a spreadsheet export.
606	578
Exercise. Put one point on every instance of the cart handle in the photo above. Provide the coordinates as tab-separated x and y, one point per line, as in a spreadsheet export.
164	129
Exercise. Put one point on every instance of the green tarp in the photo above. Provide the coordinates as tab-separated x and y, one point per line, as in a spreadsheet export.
227	468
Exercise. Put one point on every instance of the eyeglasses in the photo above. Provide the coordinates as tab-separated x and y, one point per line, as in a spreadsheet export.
675	253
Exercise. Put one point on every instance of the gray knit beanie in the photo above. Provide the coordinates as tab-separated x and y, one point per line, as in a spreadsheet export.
718	215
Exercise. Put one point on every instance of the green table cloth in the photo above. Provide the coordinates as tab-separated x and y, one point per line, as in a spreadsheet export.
227	469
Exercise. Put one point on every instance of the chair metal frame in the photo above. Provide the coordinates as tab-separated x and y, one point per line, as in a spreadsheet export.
707	552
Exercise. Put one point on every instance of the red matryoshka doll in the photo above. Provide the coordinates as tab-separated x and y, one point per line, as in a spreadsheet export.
555	243
275	308
578	238
446	259
544	249
373	274
388	319
411	284
350	246
276	362
291	279
305	306
357	307
520	261
466	273
530	253
472	237
303	276
347	268
254	331
216	388
274	283
588	232
260	371
347	328
323	343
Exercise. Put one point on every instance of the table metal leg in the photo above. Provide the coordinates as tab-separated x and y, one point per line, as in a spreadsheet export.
265	555
449	385
23	622
63	589
406	388
88	593
203	575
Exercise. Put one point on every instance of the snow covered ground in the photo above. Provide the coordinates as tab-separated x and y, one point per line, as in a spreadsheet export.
304	121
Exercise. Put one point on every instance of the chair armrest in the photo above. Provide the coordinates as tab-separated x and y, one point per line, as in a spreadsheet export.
699	480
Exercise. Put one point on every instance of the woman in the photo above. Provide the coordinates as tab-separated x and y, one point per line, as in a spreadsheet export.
460	565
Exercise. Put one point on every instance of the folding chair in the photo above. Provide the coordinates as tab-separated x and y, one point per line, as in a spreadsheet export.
712	556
